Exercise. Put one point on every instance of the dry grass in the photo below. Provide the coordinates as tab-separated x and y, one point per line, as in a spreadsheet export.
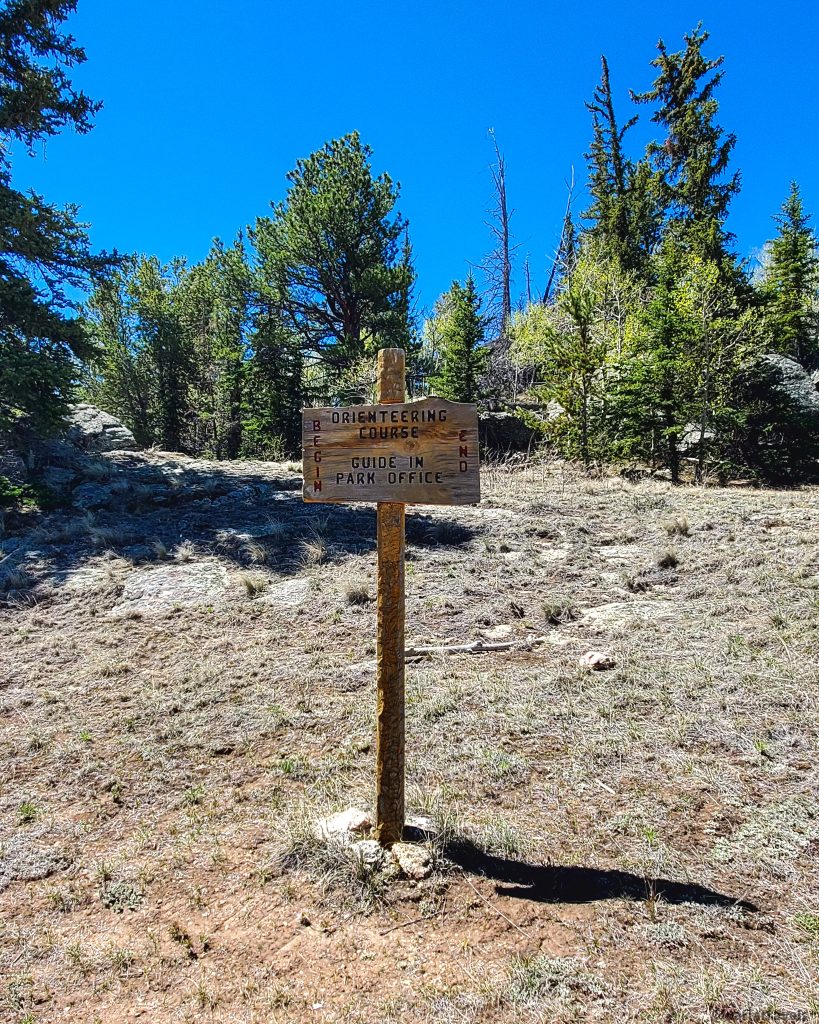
600	836
357	593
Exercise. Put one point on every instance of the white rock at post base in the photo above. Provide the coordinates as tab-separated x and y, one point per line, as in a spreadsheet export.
344	822
369	852
414	861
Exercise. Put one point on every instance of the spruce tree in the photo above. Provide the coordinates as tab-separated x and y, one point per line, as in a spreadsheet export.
45	254
609	173
462	355
693	158
791	282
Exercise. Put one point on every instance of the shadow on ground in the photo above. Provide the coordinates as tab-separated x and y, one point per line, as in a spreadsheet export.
143	511
556	884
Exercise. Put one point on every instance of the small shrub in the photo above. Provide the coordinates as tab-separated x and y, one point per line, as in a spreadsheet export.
634	584
808	923
122	960
16	582
160	550
254	585
179	934
254	553
66	899
185	552
194	795
533	977
335	864
668	559
313	551
357	593
677	527
11	495
559	610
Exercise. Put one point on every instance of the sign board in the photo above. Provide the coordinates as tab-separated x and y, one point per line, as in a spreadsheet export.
421	453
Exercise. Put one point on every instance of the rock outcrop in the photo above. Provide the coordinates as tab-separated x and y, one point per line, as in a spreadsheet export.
793	382
13	467
504	432
93	430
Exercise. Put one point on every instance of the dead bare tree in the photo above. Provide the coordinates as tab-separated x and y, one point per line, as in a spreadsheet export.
497	265
565	249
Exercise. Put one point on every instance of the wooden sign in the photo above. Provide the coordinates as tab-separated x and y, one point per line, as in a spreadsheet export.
394	453
420	453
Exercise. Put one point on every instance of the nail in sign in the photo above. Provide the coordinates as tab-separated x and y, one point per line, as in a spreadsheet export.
421	453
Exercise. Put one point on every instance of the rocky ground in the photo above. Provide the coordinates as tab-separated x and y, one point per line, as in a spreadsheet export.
187	692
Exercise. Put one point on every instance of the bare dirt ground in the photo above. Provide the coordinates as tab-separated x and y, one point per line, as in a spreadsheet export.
186	687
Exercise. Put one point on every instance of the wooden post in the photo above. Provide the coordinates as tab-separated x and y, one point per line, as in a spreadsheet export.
389	777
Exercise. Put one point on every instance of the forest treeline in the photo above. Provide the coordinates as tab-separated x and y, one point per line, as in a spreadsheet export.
651	341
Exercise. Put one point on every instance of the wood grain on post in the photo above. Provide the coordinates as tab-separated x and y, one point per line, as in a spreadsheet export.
389	778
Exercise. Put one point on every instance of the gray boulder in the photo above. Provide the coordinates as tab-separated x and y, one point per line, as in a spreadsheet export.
504	432
57	478
89	496
93	430
792	381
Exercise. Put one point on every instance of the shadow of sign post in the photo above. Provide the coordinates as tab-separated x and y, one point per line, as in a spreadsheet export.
394	453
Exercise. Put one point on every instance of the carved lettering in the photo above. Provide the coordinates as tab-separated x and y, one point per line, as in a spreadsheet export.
416	452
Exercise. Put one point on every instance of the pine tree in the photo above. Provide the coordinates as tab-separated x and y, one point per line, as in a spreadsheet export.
462	355
45	254
332	253
565	258
609	173
624	211
791	282
694	157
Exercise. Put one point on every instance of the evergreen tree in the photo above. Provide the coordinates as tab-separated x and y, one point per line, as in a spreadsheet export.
672	394
625	209
332	252
462	353
274	389
694	157
45	254
119	375
143	361
609	172
791	281
565	257
213	303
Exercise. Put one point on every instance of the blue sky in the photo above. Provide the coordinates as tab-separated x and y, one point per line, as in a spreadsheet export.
208	104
